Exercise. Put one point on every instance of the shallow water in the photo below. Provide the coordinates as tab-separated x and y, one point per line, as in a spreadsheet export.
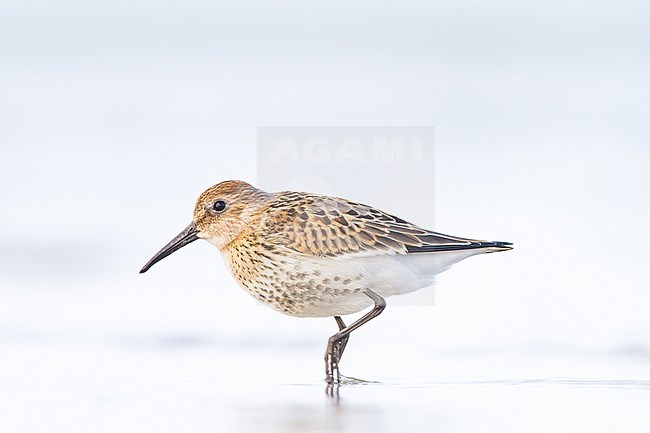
113	382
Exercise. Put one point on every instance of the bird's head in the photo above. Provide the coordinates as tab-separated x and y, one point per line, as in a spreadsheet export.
220	215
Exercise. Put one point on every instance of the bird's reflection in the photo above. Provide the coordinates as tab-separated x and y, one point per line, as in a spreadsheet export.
332	391
301	410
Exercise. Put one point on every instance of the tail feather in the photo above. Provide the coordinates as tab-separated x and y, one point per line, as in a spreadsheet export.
493	247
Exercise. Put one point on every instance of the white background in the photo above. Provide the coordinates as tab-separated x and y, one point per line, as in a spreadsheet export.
114	116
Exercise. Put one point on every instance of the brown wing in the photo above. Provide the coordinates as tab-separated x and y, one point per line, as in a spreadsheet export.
329	226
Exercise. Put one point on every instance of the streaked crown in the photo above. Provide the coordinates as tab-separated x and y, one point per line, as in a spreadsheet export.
224	210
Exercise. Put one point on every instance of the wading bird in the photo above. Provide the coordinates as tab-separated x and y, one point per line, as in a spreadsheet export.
309	255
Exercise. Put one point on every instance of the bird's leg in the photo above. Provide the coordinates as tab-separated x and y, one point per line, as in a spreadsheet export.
337	342
345	339
333	357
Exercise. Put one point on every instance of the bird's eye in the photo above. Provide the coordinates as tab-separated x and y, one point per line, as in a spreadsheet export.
219	206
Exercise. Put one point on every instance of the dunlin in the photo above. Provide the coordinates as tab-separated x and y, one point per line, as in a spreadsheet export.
310	255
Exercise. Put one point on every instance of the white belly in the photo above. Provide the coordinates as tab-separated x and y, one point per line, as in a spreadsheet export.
324	286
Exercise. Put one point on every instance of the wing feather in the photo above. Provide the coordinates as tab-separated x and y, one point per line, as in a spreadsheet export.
317	225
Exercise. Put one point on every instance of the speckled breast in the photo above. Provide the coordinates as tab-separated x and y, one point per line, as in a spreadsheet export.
297	286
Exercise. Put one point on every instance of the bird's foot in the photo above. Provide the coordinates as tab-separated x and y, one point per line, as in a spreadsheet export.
332	373
332	357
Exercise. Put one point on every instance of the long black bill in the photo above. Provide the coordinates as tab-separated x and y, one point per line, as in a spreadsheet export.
185	237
